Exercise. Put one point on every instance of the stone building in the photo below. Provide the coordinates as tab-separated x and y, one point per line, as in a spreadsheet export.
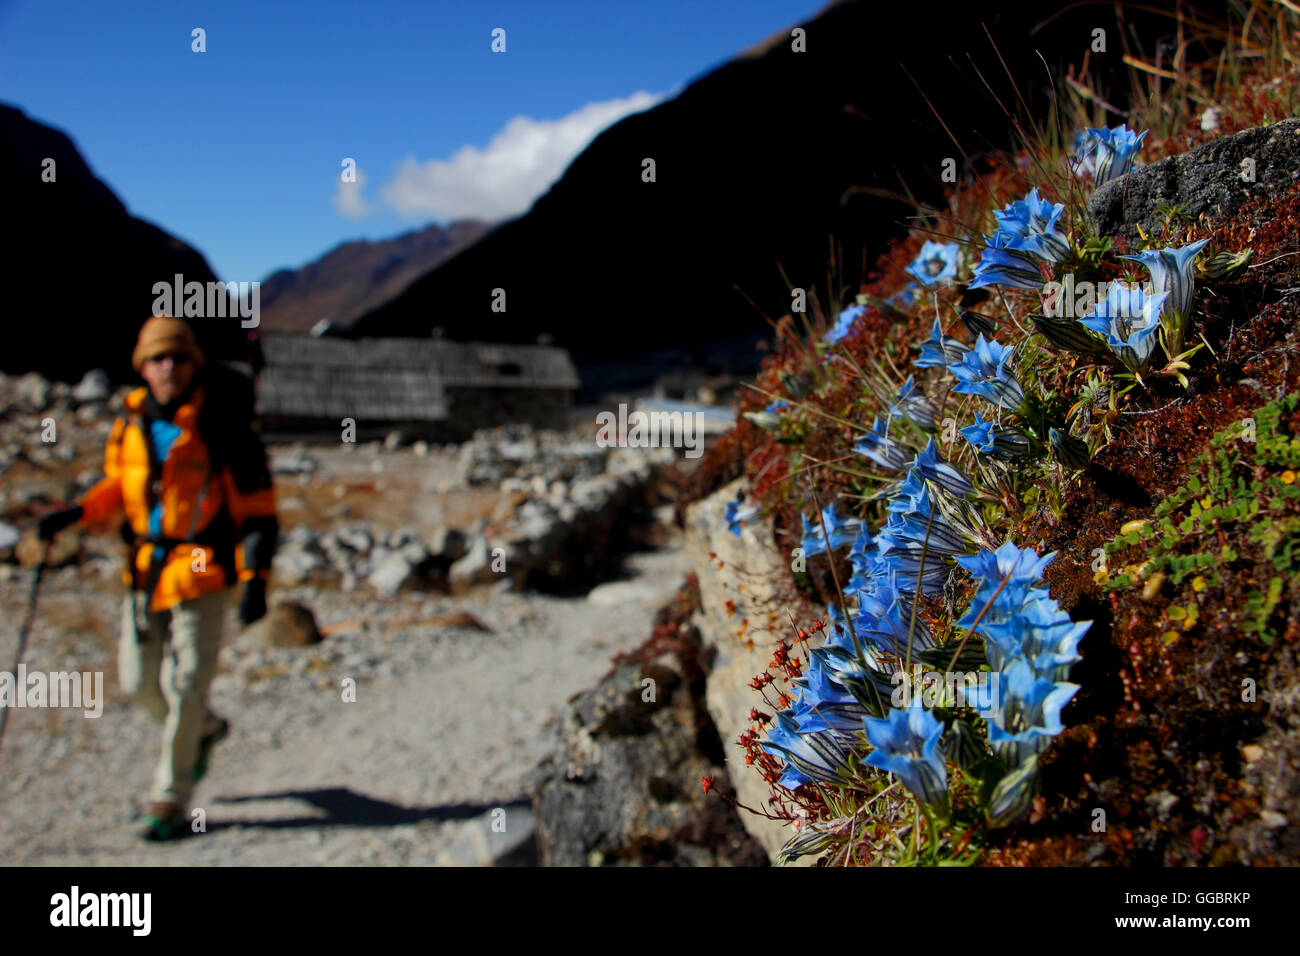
424	388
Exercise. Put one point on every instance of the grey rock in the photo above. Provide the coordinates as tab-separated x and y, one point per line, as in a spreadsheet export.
503	836
390	574
93	387
31	391
727	693
299	464
624	783
295	564
1207	179
475	566
414	552
402	536
448	543
301	536
356	537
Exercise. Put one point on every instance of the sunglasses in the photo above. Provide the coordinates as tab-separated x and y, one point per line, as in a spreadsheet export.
178	358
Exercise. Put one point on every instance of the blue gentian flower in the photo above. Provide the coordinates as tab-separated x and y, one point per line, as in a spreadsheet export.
1001	441
841	532
1028	233
907	745
1032	226
1001	265
737	515
914	406
862	557
1114	151
907	495
883	450
1050	641
935	468
905	297
821	757
917	543
770	417
1016	617
940	350
983	372
1029	712
844	324
822	704
1171	272
884	620
1026	623
1129	319
1083	154
936	263
1016	565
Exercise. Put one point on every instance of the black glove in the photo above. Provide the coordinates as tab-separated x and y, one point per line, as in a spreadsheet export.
252	603
51	524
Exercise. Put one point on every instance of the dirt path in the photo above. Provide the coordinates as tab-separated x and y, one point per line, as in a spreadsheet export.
447	725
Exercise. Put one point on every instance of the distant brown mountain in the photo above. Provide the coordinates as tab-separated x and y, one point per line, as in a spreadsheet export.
78	269
357	277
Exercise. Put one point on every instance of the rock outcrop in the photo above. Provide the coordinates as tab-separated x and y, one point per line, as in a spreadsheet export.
1216	178
749	565
624	786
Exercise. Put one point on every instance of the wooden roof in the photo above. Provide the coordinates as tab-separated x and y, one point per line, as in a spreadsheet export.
383	378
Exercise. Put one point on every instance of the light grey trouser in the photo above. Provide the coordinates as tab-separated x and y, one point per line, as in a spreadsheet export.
169	677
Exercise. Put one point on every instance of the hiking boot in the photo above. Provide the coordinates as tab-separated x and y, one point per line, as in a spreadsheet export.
206	743
165	821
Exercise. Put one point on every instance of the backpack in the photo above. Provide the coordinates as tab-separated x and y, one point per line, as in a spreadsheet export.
229	427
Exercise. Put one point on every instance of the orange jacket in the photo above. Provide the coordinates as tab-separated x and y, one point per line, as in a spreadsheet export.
221	510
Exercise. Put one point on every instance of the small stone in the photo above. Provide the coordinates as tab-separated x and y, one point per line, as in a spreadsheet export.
390	574
1272	819
290	625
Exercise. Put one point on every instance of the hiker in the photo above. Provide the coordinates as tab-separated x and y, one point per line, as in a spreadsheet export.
189	470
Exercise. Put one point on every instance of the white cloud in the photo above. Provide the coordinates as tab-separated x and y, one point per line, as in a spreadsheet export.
518	165
347	199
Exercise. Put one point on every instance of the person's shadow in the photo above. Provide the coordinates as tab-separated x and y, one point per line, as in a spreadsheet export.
346	807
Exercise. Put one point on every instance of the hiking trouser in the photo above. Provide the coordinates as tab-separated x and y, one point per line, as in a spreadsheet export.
169	676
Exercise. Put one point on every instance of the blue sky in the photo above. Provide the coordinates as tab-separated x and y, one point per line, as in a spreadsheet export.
238	150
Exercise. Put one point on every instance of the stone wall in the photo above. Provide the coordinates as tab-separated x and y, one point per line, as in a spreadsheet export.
750	560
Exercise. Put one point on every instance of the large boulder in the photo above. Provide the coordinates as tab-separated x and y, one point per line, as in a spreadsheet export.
623	787
1207	179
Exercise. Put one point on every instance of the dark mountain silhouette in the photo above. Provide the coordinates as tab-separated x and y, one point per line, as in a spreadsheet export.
358	277
757	166
78	268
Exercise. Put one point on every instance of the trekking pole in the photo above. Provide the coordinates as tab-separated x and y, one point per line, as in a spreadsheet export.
26	630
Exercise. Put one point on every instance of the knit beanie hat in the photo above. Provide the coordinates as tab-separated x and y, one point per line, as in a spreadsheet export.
162	334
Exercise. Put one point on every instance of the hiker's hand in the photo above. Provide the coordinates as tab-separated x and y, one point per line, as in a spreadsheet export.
252	603
51	524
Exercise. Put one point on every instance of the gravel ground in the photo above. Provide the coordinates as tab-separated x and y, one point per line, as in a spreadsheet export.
447	725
